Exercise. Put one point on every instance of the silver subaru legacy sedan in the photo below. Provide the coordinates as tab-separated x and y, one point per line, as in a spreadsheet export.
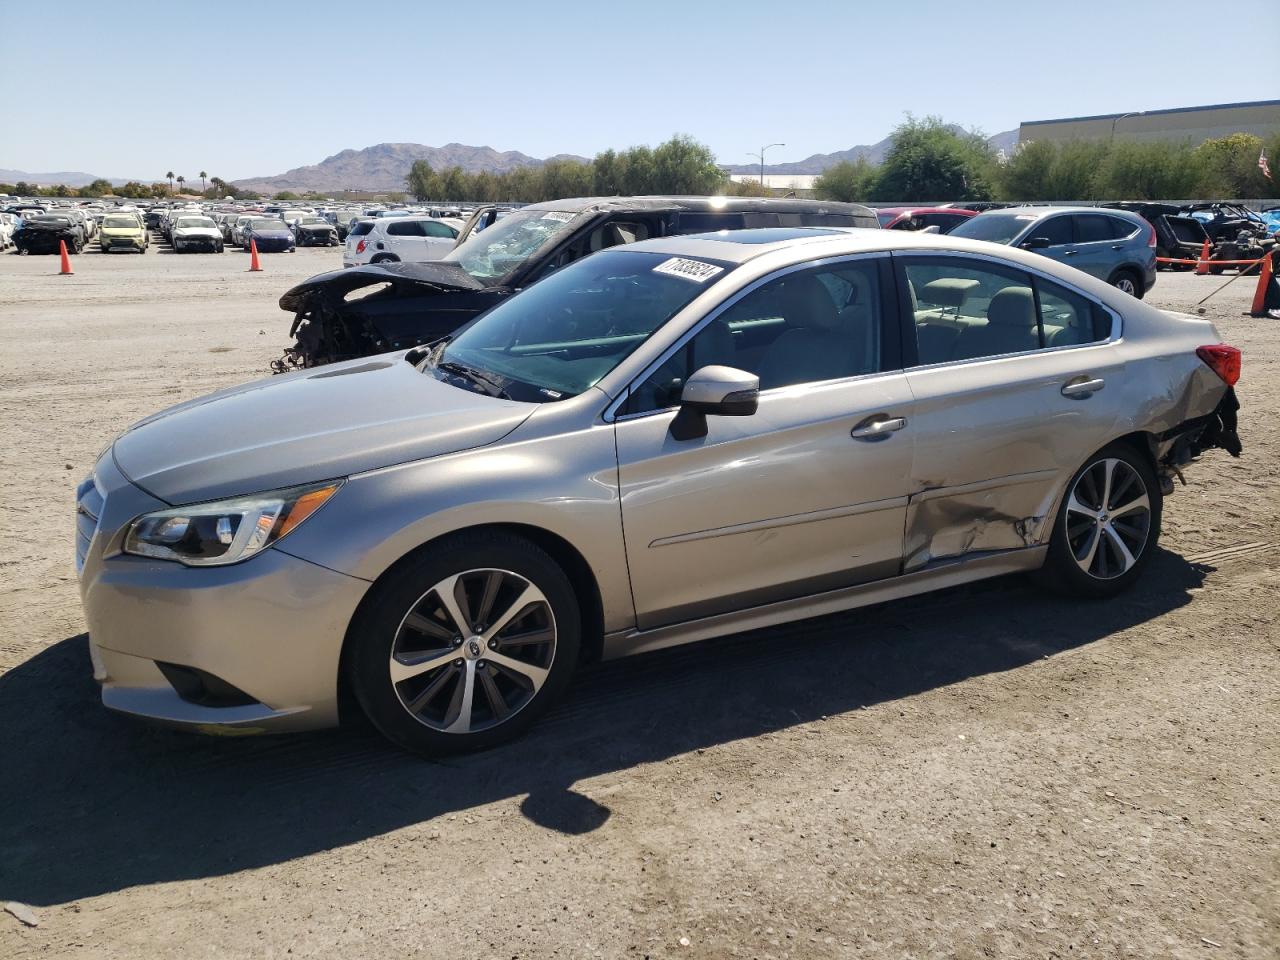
684	438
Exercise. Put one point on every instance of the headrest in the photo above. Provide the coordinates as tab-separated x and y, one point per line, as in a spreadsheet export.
1013	307
809	305
947	292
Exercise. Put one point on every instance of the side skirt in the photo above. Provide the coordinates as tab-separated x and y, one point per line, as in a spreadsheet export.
937	576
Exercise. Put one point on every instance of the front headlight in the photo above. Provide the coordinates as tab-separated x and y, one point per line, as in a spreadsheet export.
225	531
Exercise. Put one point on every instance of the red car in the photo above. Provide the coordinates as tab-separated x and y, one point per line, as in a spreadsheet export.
945	219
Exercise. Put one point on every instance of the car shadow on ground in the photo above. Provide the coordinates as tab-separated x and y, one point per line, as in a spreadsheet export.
91	802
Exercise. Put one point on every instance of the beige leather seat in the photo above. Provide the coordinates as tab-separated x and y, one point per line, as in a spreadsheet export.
817	345
1011	327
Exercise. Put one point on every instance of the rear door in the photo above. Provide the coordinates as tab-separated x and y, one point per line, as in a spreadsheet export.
407	240
1013	378
440	238
1098	249
806	495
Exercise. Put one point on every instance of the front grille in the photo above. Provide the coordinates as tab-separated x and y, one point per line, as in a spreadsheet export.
89	502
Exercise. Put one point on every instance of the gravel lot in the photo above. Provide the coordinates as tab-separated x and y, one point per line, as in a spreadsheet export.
987	772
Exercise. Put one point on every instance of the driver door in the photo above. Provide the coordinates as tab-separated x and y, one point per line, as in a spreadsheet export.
799	497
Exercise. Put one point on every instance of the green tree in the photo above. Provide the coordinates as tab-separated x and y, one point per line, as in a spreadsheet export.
98	188
1229	167
169	176
286	195
606	174
931	161
565	178
1152	170
24	189
421	180
202	183
847	181
159	190
1026	175
685	166
181	181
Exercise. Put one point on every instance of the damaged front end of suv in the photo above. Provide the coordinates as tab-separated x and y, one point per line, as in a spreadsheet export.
345	314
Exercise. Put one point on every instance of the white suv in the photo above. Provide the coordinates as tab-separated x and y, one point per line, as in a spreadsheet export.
392	239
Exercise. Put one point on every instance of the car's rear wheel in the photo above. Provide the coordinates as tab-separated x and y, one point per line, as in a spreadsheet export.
385	258
465	645
1126	281
1108	525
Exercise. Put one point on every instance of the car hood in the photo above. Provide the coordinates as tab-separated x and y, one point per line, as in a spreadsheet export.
197	231
435	275
323	227
121	231
311	425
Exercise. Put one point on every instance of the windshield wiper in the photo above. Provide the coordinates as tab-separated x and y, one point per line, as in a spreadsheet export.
490	386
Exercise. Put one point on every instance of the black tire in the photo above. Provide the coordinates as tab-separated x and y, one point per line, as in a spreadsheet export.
1128	281
385	258
381	624
1063	570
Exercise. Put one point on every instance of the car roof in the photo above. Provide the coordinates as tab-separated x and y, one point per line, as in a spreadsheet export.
799	244
699	204
1040	211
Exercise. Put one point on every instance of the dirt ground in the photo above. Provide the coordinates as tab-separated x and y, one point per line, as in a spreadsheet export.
986	772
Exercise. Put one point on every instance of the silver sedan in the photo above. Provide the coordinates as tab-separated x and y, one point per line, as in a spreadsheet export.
654	445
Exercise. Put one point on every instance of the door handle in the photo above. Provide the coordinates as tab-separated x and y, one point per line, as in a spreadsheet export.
1083	388
1069	253
877	428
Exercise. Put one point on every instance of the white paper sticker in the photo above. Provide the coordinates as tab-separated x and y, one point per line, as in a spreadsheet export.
559	216
694	270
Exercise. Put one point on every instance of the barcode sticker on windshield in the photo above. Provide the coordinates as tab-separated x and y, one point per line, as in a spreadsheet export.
558	216
694	270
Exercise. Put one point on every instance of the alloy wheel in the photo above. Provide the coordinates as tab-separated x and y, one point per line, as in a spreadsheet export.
1108	519
1125	284
473	651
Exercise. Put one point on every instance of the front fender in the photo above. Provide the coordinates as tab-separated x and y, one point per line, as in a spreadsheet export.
566	485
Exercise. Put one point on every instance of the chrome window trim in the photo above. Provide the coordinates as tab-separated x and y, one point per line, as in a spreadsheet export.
1117	321
611	414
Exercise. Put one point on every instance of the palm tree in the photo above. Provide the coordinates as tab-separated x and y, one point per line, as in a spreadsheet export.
181	181
169	176
203	188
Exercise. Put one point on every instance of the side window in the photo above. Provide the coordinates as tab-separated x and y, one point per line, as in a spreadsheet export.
964	310
1093	228
434	229
1069	318
1056	229
709	222
805	327
1122	229
402	228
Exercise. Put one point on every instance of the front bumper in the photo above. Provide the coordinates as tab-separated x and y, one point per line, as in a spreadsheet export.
208	244
316	239
271	627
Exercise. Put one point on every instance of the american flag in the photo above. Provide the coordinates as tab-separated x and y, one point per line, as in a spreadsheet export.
1263	165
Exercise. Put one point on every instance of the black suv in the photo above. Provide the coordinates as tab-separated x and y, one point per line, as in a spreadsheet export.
501	251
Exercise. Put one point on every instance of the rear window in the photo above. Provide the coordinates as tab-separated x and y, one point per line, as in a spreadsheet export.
360	228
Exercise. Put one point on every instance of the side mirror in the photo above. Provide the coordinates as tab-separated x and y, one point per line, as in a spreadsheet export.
716	391
1036	243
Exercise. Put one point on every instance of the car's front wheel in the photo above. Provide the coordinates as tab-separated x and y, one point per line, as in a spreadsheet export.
1107	526
465	645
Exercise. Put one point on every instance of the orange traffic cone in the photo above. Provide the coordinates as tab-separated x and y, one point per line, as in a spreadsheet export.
66	270
1203	266
254	265
1263	292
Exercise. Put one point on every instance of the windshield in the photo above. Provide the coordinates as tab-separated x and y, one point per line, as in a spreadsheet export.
196	222
995	227
509	242
558	337
266	225
110	223
308	221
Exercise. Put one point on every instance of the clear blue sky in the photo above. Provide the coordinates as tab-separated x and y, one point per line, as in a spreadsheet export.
245	89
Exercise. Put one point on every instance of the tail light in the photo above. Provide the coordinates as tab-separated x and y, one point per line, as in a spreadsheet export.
1151	236
360	247
1222	360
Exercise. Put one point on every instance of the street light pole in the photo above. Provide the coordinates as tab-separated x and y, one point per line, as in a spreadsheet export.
1118	119
760	156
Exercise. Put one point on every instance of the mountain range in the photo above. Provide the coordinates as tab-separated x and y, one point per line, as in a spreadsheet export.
384	166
